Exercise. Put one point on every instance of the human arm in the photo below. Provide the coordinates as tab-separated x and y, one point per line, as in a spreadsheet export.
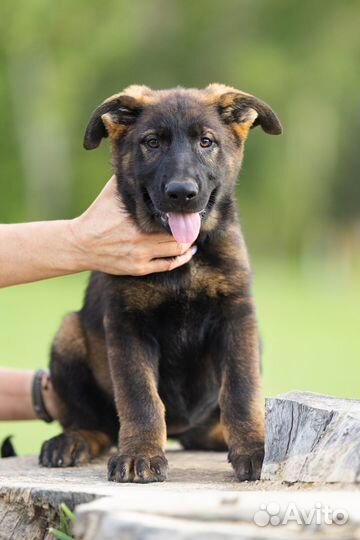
16	402
103	238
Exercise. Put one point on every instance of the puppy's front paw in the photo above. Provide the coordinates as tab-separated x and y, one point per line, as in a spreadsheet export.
73	447
137	468
65	450
247	463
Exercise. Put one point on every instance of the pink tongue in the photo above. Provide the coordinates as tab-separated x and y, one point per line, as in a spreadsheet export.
185	227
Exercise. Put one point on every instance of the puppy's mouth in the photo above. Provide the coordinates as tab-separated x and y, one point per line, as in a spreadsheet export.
184	226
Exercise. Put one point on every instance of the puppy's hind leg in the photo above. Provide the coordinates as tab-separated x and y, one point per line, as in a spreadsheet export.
86	413
208	436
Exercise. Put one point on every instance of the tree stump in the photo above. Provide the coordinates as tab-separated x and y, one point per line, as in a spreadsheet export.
30	495
310	515
312	438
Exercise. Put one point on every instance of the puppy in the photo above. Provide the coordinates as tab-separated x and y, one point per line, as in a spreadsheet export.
171	354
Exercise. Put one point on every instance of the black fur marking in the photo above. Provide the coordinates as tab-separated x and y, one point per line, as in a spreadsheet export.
89	407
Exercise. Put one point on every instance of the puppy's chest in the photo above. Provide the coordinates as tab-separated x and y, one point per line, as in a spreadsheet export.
198	282
209	281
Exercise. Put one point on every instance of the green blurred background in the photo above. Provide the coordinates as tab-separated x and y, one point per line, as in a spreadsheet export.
299	195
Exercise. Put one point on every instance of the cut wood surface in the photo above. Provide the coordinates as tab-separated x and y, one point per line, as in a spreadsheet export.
201	485
312	438
246	515
30	495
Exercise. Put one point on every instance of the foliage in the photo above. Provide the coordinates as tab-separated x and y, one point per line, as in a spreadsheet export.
66	518
298	193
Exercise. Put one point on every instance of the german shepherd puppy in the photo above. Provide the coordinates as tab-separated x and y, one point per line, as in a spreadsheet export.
171	354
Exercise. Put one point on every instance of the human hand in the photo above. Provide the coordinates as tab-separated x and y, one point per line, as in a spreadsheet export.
107	240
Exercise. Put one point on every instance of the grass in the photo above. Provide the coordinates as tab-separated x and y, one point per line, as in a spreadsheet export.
66	520
309	320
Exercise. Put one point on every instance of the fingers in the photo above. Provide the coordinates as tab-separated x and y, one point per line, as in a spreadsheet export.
112	242
166	249
166	265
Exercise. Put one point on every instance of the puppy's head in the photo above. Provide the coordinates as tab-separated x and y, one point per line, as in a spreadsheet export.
177	153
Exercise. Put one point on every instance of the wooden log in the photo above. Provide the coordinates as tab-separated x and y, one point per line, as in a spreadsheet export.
286	515
30	495
312	438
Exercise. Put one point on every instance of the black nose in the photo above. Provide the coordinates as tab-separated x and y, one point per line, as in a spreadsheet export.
182	191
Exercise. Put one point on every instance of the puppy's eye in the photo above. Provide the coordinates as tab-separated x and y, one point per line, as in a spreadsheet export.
206	142
152	142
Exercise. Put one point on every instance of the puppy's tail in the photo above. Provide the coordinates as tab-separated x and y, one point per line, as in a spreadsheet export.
7	449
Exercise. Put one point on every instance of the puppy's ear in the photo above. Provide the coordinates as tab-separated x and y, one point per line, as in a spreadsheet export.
244	111
115	115
111	118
